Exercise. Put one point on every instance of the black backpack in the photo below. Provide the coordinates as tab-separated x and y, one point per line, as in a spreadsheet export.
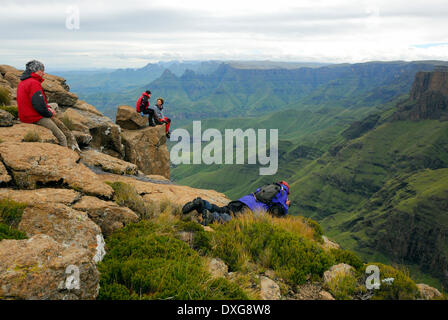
267	192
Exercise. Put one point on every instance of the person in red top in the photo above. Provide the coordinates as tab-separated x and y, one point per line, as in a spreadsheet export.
32	102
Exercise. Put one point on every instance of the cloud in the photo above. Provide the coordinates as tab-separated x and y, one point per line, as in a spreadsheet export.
131	33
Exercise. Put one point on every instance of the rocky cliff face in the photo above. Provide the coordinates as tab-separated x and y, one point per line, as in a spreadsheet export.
68	202
428	97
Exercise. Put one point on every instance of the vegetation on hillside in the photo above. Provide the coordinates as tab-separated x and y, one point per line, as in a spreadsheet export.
10	216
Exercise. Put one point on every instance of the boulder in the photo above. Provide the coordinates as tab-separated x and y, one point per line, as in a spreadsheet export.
6	119
13	77
17	133
4	176
69	227
109	216
41	268
84	106
341	269
157	192
108	163
43	195
33	164
83	139
269	290
106	136
147	149
217	268
57	92
428	292
128	118
5	69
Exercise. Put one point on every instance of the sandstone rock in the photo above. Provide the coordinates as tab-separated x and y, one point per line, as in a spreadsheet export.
217	268
84	106
341	269
4	176
106	136
108	163
44	195
156	177
328	244
56	92
174	193
40	268
143	148
5	69
17	133
82	138
71	140
61	81
428	292
128	118
108	215
325	295
6	119
43	163
69	227
13	77
269	290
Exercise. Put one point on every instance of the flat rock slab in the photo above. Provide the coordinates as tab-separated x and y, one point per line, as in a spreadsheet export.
43	195
128	118
106	214
43	163
108	163
4	176
17	133
174	193
38	268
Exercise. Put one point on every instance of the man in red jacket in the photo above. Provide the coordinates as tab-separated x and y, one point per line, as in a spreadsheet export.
32	102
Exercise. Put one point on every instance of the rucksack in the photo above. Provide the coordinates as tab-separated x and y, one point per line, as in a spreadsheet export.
267	192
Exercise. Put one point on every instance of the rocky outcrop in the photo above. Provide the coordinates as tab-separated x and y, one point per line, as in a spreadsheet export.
147	149
108	163
4	176
428	292
69	227
6	119
428	97
269	289
128	118
42	268
57	91
17	133
108	215
157	192
33	164
43	195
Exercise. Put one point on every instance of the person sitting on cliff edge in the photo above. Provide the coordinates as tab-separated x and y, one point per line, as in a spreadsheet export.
32	101
272	198
158	118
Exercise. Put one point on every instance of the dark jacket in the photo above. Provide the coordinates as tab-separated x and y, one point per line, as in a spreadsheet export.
31	99
143	102
278	202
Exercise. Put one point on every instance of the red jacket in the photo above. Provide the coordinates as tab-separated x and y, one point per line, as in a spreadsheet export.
143	102
31	99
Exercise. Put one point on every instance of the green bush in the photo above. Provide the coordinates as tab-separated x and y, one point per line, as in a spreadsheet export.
343	287
6	232
12	110
347	257
402	288
11	212
290	255
145	261
5	98
31	136
126	195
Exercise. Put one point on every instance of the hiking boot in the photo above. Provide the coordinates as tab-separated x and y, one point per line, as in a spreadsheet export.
196	204
207	217
151	122
168	135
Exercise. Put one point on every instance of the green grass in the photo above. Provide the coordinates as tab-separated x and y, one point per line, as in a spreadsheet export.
31	136
11	109
10	216
5	98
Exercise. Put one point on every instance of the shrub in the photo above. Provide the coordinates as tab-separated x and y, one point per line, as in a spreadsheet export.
5	98
259	240
347	257
144	261
126	195
402	288
6	232
11	212
343	287
12	110
31	136
68	122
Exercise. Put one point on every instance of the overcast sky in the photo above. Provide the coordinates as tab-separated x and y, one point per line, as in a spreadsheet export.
131	33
